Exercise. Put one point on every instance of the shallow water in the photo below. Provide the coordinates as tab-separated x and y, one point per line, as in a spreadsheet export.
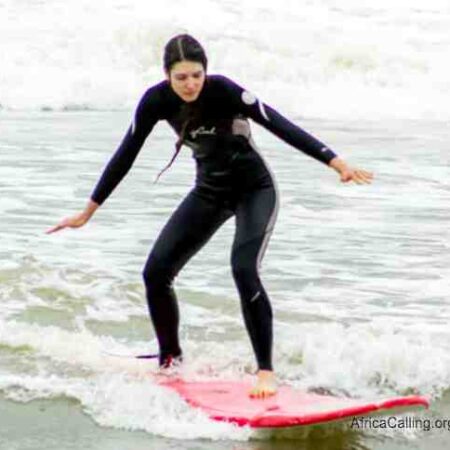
358	276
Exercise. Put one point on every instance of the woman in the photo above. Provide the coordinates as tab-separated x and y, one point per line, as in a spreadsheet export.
209	114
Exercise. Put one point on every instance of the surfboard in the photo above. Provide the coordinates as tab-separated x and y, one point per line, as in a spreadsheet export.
229	401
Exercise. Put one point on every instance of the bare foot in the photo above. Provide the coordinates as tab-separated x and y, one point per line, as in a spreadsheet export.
265	385
171	366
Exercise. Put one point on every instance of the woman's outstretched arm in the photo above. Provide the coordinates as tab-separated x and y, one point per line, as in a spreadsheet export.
146	115
250	106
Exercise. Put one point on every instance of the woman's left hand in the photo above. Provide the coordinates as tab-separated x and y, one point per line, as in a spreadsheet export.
347	174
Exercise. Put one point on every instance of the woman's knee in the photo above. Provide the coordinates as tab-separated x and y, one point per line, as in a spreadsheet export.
243	268
156	275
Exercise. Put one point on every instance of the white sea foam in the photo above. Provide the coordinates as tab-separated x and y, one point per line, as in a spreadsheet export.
371	360
353	60
116	392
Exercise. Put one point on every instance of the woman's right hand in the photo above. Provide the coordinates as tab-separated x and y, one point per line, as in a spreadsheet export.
76	221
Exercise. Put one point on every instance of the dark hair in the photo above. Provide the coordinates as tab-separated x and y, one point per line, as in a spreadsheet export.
182	47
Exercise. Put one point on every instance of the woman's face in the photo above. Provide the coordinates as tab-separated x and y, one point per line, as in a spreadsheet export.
187	79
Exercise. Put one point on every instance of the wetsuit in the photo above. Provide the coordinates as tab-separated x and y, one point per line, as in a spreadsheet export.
232	179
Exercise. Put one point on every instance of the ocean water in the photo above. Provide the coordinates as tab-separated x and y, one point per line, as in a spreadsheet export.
358	275
344	59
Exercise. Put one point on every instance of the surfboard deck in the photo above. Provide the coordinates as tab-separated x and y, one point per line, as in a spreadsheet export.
229	401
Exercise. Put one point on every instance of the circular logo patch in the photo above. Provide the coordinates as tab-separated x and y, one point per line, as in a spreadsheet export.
248	98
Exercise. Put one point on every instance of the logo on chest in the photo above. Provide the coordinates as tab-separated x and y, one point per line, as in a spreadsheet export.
202	131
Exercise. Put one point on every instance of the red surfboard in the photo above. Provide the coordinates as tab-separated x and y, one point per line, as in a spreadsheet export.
229	401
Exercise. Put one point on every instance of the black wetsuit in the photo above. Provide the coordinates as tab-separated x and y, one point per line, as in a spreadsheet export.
232	179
